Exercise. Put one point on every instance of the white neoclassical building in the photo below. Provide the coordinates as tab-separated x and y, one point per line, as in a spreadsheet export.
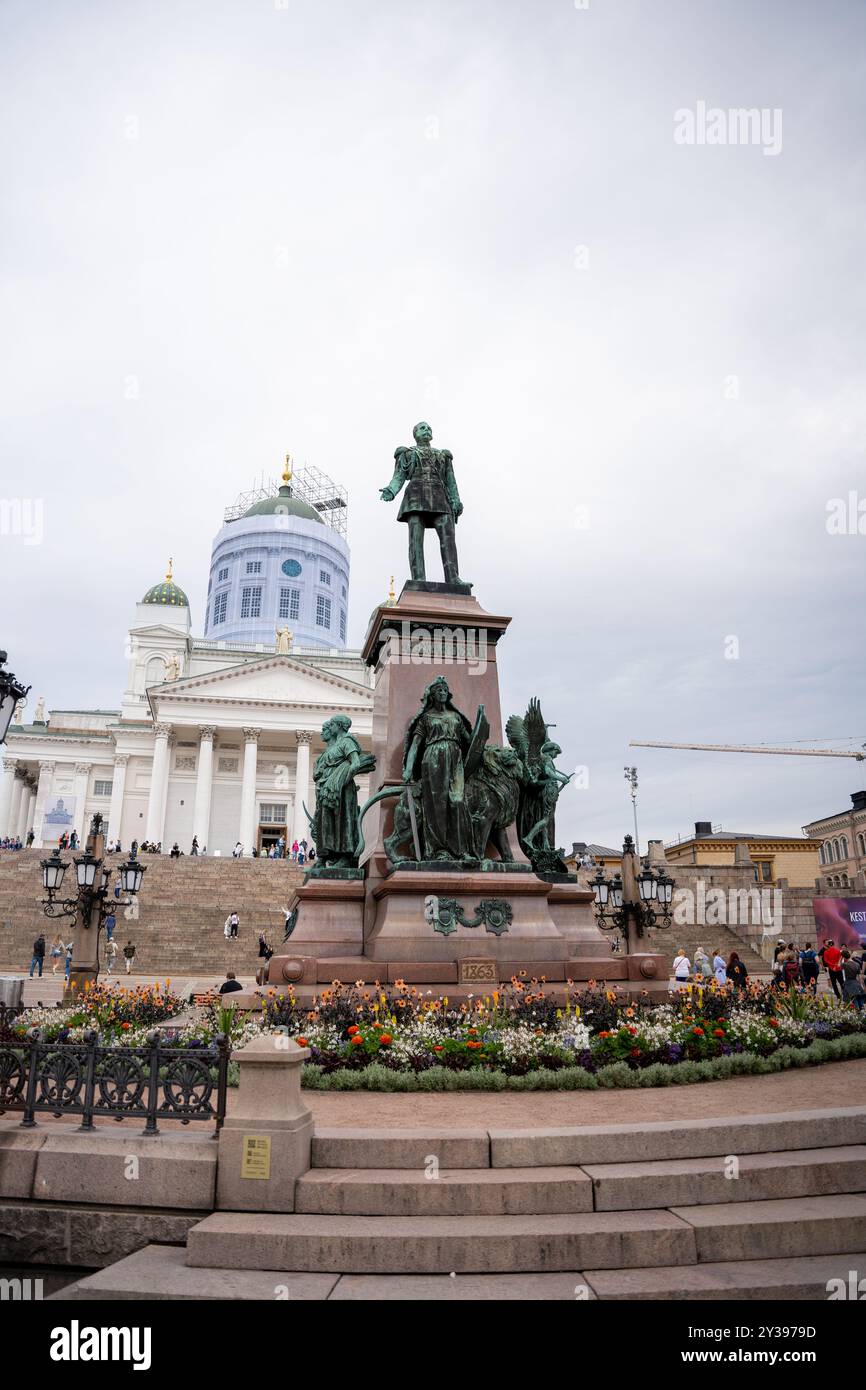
214	738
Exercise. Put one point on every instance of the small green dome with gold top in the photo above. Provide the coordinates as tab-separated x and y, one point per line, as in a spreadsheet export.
167	592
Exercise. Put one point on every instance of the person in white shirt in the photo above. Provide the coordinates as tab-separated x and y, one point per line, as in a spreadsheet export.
682	967
720	969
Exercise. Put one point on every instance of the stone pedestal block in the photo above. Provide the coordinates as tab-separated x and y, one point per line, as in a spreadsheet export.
403	930
265	1143
330	918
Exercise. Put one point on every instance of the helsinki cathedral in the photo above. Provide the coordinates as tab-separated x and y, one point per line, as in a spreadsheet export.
216	734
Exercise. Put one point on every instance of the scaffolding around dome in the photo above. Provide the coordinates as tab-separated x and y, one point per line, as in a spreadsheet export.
309	485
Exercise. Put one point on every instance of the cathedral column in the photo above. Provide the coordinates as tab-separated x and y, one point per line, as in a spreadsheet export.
300	827
118	788
28	809
20	818
247	829
79	787
158	785
7	791
43	787
203	786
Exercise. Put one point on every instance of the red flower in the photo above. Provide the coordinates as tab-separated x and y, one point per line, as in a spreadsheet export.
302	1042
474	1044
604	1034
699	1031
635	1052
357	1039
124	1025
385	1039
353	1028
437	1047
774	1023
718	1032
633	1031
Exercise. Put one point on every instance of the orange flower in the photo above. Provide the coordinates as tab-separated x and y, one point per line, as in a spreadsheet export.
302	1042
353	1028
124	1026
357	1039
699	1031
474	1044
718	1032
385	1039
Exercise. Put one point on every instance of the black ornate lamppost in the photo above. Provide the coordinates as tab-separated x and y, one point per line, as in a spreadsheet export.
11	691
90	907
628	903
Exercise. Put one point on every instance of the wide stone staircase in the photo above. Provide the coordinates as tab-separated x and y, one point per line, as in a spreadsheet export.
177	920
757	1207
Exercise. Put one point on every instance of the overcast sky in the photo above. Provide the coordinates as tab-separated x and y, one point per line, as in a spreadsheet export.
234	227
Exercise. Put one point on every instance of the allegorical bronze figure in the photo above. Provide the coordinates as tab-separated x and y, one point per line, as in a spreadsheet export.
431	499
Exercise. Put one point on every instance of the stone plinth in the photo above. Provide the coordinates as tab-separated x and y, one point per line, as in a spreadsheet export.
403	932
265	1143
330	918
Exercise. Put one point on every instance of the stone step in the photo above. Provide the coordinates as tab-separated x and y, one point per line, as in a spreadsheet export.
161	1272
400	1148
440	1244
582	1145
433	1191
798	1278
777	1229
731	1178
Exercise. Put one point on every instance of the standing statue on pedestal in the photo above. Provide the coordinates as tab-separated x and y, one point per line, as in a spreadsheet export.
431	499
334	826
541	785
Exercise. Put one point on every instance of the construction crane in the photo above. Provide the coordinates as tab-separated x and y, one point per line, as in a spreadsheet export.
755	748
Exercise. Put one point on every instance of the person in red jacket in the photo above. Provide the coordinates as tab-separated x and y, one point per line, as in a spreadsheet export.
832	958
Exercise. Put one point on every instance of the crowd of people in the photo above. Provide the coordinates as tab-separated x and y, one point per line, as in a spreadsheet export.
792	965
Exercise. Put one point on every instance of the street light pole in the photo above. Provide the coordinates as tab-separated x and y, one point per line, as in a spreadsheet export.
630	774
88	908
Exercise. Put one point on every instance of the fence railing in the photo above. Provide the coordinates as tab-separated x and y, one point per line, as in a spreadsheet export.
89	1078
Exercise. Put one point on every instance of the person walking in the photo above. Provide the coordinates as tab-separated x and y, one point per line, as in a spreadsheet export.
30	837
852	984
56	952
294	849
832	958
809	967
129	956
38	957
682	967
110	924
194	846
110	954
737	971
720	969
68	967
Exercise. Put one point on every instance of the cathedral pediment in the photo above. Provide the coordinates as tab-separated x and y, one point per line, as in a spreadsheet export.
273	681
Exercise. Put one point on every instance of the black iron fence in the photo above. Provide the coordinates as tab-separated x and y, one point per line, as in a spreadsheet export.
152	1083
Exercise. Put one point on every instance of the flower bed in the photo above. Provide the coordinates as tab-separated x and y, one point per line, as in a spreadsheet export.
120	1015
401	1038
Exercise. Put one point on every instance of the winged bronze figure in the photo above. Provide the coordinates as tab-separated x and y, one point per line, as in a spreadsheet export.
541	784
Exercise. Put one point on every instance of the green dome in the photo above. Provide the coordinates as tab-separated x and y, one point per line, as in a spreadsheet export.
284	503
167	592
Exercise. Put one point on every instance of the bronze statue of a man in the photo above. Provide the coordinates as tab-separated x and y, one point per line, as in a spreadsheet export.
431	499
